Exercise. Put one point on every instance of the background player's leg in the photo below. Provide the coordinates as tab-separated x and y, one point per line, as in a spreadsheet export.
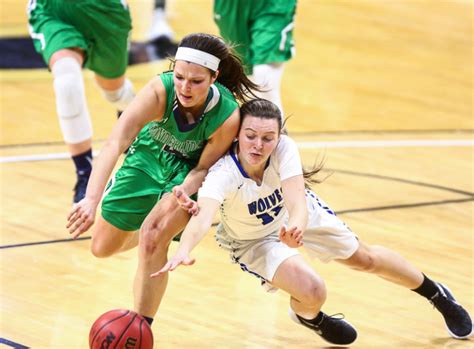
269	77
73	114
119	92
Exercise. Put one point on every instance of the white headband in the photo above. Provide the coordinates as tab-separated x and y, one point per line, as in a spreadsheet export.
199	57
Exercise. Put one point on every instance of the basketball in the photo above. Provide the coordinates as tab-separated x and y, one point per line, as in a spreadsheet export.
121	328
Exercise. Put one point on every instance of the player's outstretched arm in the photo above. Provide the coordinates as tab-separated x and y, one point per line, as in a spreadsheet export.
293	190
174	262
194	232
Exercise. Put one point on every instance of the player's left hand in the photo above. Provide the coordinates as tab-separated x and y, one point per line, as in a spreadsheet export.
173	263
293	236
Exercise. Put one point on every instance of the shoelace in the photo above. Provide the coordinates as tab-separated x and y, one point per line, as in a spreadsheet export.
432	300
337	316
447	305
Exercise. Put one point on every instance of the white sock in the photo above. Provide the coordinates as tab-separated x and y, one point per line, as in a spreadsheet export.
268	76
120	97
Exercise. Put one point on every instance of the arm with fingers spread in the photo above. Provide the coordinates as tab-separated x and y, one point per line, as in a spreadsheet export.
185	201
194	232
147	106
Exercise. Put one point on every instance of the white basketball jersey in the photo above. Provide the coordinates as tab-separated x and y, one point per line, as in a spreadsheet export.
250	211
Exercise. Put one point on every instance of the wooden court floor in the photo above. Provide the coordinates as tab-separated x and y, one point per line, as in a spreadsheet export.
381	89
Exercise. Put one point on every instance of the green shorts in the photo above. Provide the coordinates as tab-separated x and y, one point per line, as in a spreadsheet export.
132	193
262	30
99	28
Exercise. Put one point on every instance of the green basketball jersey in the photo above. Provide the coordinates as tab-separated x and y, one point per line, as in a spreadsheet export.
172	138
161	157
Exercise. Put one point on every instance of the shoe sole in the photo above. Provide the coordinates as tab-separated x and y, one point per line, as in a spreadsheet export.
443	288
293	317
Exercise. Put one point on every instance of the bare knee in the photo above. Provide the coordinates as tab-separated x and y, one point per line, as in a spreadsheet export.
160	227
313	293
364	259
107	240
155	239
100	250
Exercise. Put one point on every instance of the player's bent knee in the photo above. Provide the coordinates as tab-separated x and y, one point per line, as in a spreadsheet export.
105	248
121	97
364	260
106	242
154	239
99	250
314	293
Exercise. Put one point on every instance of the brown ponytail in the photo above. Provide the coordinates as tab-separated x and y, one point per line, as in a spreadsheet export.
309	174
231	69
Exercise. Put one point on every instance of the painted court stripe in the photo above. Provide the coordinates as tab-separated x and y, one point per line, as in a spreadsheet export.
38	157
302	145
388	144
12	344
45	242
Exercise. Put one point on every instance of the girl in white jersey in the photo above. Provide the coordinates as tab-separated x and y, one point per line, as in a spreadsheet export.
267	213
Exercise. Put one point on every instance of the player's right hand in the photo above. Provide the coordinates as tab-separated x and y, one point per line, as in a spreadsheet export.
292	236
174	262
81	217
185	201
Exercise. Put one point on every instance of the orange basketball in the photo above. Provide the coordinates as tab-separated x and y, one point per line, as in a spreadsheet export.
120	328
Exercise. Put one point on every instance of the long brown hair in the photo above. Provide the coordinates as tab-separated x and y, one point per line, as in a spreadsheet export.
231	69
265	109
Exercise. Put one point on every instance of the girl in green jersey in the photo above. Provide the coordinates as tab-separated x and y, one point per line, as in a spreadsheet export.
177	126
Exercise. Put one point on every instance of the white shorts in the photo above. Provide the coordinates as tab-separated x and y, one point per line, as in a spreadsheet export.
326	238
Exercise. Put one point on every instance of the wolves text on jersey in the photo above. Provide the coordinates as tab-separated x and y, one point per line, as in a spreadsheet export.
267	208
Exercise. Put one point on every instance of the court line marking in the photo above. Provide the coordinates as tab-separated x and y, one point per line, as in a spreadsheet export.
292	134
13	344
402	180
311	145
416	204
45	242
302	145
339	213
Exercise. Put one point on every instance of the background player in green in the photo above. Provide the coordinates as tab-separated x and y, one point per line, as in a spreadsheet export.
262	31
180	124
161	36
73	34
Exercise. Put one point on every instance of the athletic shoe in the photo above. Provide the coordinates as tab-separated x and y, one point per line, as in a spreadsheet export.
458	321
163	47
80	187
332	329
